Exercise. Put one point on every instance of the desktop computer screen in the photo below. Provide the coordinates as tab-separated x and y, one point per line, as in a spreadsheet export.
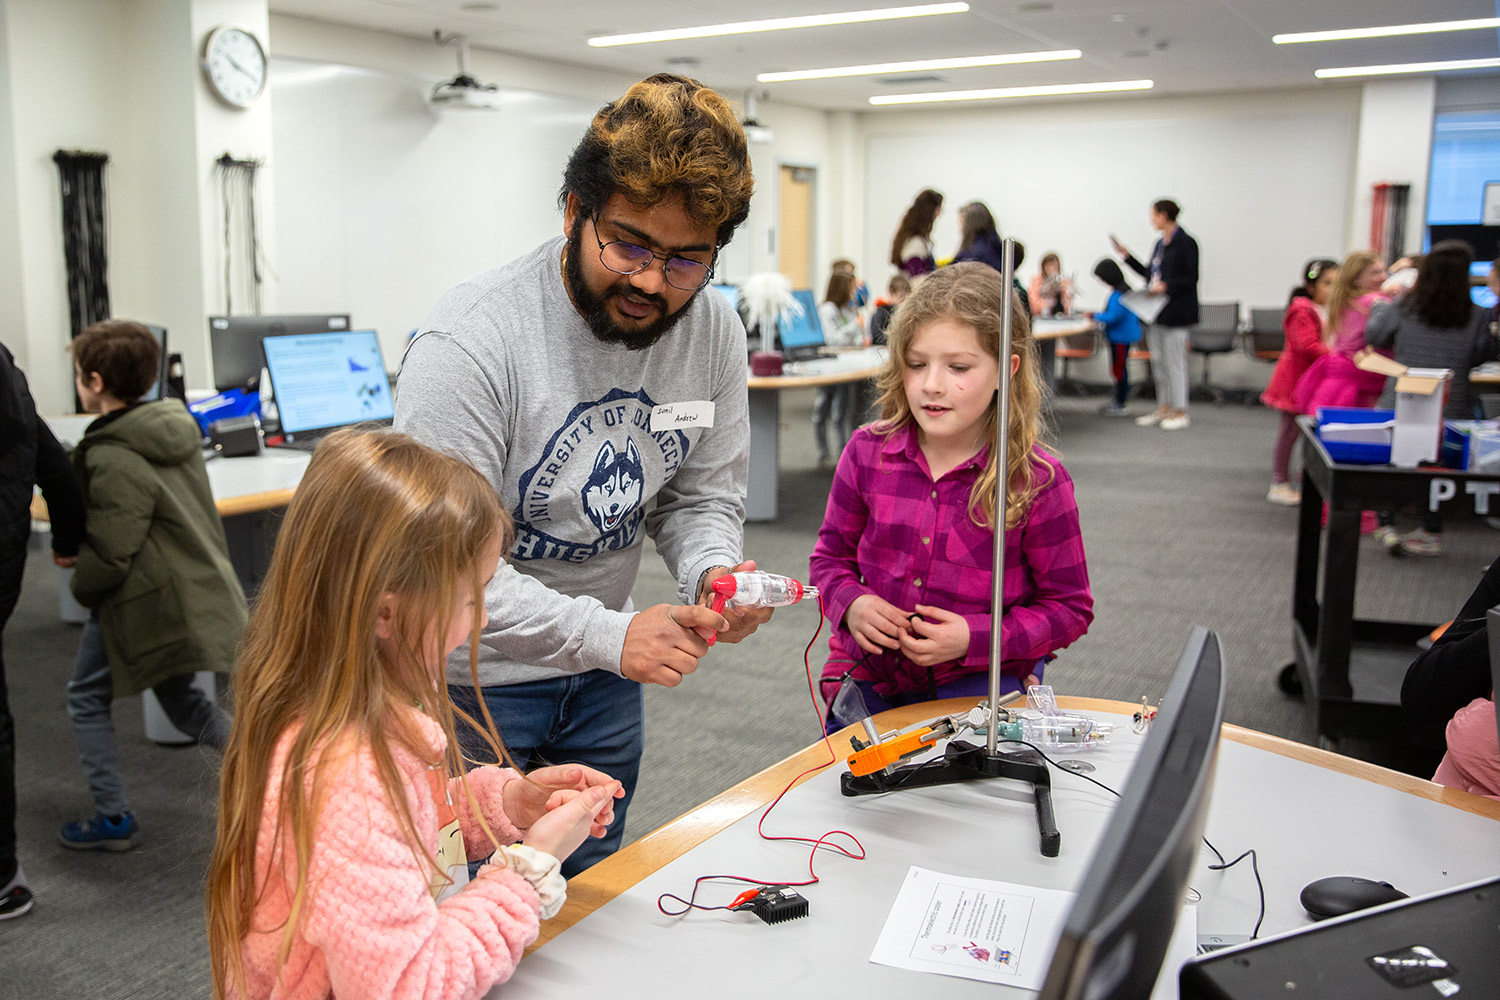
325	380
1482	294
158	388
1118	931
234	342
731	294
802	332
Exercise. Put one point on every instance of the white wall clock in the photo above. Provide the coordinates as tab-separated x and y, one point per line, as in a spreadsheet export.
235	65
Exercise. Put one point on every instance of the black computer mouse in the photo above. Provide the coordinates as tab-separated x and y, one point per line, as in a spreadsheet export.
1340	894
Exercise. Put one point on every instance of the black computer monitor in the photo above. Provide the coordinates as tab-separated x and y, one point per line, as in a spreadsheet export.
802	333
234	342
1118	931
158	388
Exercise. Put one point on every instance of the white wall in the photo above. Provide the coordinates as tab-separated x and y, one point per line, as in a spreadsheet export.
1395	146
1263	180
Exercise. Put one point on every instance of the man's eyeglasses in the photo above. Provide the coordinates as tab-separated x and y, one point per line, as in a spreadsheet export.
627	258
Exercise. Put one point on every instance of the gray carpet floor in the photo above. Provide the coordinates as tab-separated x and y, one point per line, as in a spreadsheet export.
1177	531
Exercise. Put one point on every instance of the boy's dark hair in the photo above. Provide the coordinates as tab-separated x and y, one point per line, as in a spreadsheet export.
123	352
899	284
1167	207
1109	272
667	135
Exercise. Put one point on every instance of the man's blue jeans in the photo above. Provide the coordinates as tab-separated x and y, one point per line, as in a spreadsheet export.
595	718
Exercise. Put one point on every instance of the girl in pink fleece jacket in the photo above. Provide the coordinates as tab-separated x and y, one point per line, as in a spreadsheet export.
346	818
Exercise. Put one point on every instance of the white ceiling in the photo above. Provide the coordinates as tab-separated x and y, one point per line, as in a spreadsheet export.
1186	46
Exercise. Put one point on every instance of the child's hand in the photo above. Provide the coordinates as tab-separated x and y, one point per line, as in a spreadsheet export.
560	831
546	788
876	624
945	637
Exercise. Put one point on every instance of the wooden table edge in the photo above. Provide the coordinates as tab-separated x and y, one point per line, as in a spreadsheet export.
227	507
805	381
644	857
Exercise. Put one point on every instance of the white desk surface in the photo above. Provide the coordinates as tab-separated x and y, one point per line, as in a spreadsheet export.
844	366
1052	327
240	485
1304	820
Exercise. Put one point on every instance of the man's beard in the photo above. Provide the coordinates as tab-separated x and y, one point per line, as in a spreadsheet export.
595	312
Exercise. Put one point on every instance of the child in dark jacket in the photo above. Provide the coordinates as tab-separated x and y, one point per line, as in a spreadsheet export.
1121	329
29	456
154	567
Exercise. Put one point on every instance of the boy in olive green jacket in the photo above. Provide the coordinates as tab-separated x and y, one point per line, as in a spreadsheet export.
154	567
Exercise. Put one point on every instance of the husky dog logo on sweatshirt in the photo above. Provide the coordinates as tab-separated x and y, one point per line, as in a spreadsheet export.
587	491
613	489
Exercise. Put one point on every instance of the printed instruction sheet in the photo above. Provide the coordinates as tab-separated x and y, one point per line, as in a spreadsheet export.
997	932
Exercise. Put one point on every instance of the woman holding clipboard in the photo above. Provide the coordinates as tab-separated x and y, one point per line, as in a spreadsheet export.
1173	273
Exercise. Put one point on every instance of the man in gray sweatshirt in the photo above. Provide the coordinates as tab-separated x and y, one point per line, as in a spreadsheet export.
603	397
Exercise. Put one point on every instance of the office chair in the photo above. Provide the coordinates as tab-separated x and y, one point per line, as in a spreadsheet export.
1265	339
1218	325
1075	347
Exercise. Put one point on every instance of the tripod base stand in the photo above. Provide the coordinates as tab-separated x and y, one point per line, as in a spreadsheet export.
964	762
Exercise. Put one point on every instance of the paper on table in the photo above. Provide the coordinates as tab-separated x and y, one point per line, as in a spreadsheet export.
1145	305
996	932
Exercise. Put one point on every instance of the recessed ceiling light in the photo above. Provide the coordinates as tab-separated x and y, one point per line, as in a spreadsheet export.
1386	31
1422	67
479	6
920	65
1003	92
780	23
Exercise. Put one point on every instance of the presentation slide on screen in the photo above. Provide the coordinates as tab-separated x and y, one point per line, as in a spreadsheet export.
328	380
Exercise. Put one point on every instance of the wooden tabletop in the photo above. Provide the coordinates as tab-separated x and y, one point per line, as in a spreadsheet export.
613	876
1049	328
803	381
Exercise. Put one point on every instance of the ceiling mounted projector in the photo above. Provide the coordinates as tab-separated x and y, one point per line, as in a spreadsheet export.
463	91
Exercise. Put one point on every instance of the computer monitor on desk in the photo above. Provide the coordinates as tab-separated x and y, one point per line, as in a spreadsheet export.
1118	931
234	342
801	334
322	381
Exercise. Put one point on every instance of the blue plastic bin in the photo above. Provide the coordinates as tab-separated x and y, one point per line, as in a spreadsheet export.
229	403
1354	453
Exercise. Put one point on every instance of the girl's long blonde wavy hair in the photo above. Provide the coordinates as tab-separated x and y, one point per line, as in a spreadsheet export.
974	294
376	514
1345	291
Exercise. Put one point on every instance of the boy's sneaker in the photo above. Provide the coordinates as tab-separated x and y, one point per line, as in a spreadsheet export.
100	833
1422	543
15	902
1114	410
1285	494
1389	538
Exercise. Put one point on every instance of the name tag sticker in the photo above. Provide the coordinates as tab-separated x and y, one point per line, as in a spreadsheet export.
676	416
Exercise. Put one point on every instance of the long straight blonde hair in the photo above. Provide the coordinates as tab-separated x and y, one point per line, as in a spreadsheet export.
974	294
1345	291
376	514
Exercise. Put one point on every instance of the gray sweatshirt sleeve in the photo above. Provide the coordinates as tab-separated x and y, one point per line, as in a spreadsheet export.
699	518
446	400
1380	331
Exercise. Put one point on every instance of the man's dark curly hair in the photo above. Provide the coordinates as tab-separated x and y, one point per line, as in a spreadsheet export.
667	135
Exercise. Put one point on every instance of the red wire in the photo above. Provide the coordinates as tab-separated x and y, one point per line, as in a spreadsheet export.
812	877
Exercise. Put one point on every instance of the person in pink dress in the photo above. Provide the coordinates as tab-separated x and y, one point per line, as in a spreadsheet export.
1303	323
1334	380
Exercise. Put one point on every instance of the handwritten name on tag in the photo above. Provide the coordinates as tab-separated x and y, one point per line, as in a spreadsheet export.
677	416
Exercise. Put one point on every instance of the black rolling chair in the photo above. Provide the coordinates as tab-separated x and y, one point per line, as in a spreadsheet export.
1218	326
1265	339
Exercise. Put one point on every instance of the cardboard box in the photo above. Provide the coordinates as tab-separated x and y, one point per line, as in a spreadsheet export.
1420	393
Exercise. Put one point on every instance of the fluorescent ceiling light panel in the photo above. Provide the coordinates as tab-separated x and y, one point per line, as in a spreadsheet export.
1386	31
1422	67
986	95
780	24
919	65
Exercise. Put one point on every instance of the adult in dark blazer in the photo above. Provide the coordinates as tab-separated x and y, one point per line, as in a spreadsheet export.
29	456
1173	272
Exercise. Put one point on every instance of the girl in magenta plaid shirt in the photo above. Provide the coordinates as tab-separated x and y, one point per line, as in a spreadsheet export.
904	558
